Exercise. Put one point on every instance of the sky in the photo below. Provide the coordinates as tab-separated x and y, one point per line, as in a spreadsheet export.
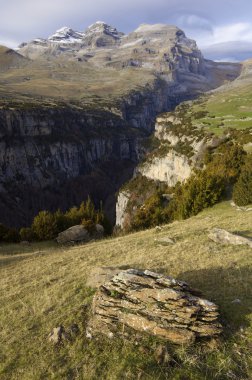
221	28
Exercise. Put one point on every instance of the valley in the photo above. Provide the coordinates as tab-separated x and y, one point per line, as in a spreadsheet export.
75	111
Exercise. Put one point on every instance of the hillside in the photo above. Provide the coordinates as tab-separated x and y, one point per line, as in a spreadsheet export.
76	109
44	286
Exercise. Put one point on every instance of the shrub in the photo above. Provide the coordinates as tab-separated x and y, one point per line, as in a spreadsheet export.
44	226
226	162
61	221
202	190
27	234
8	235
3	231
73	216
242	192
11	236
89	225
150	213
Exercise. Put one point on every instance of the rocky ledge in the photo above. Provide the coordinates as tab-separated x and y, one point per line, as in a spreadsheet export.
155	304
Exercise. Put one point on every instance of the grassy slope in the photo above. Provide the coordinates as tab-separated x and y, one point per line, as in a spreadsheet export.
229	106
65	80
44	286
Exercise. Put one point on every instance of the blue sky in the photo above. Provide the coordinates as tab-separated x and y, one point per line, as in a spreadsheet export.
222	28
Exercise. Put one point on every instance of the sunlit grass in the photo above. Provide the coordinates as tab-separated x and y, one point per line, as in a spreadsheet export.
43	286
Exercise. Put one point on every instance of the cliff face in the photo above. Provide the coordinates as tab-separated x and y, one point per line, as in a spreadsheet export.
55	158
72	125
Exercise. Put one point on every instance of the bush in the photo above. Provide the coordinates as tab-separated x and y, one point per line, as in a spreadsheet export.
11	236
150	214
27	234
8	235
89	225
61	221
44	226
3	231
242	192
202	190
226	162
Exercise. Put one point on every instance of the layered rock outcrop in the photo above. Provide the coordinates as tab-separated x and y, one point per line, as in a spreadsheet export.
154	304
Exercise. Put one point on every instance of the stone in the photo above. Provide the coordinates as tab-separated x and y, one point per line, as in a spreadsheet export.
99	275
237	300
99	231
57	335
79	233
73	235
25	243
151	303
162	355
221	236
165	241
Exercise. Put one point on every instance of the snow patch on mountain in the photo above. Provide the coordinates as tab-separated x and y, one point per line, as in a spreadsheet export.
100	27
66	35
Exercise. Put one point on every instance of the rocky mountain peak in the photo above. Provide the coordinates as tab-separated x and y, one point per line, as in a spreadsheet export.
100	27
66	35
101	34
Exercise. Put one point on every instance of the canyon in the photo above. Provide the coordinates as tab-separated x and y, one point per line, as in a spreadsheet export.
76	110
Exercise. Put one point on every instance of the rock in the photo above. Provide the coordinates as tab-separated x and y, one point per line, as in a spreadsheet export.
24	242
237	300
151	303
165	241
80	234
221	236
162	355
57	335
99	231
100	275
73	234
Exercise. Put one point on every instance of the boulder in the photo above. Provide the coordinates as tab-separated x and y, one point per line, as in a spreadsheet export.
99	231
79	233
73	235
221	236
154	304
57	335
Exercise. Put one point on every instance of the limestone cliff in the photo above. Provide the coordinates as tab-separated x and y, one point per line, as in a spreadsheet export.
74	114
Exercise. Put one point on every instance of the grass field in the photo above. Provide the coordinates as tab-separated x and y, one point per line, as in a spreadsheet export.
230	106
44	286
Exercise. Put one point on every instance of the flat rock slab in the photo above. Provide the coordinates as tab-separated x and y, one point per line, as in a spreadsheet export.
148	302
164	241
100	275
221	236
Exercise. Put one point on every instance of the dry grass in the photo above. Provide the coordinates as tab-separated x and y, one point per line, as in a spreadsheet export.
43	287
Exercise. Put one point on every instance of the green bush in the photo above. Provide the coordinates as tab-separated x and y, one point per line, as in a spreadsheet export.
12	236
61	221
27	234
89	225
150	214
242	192
226	162
44	226
3	231
8	235
200	191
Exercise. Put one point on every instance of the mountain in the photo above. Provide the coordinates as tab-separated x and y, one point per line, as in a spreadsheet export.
9	59
77	108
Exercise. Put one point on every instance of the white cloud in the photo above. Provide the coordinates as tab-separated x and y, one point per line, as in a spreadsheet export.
192	21
232	32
